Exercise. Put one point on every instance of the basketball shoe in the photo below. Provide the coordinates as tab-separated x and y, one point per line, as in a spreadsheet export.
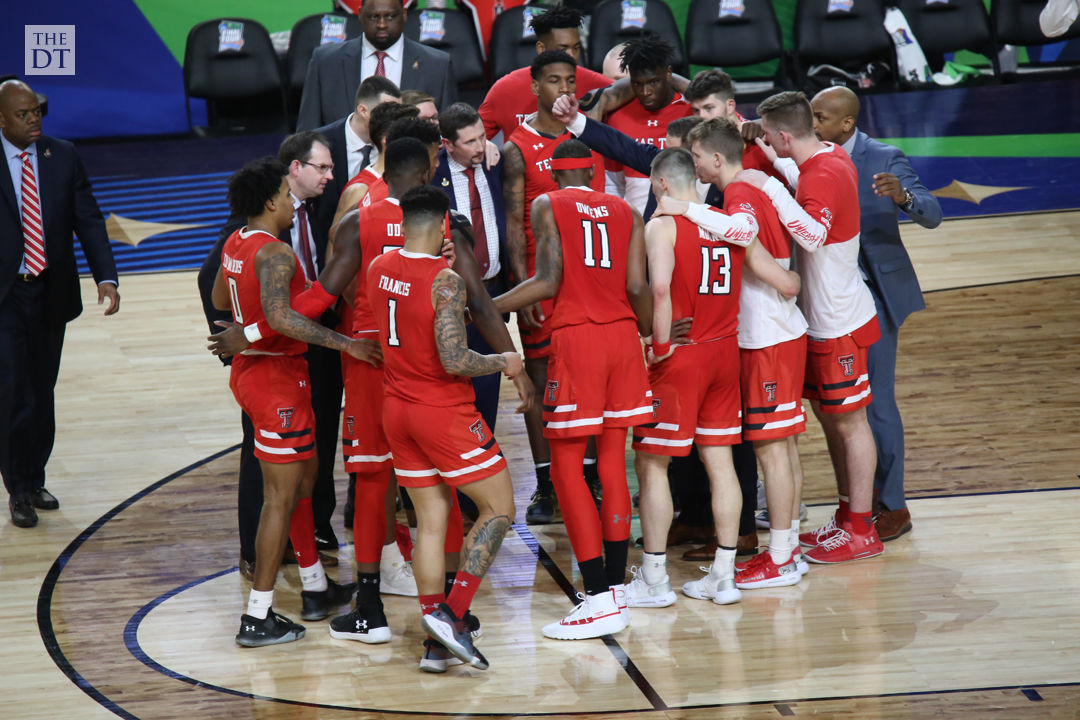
594	616
846	545
272	630
640	593
446	628
437	658
396	575
317	604
721	590
761	572
823	533
367	623
796	556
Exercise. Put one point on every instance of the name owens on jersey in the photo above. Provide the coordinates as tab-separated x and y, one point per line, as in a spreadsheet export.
245	291
594	230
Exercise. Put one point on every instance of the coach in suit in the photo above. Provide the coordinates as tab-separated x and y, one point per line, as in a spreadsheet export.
46	200
887	185
335	70
476	192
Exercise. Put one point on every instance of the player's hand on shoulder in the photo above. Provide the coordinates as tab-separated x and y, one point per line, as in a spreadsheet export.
756	178
667	205
366	350
449	253
230	341
680	330
492	154
514	364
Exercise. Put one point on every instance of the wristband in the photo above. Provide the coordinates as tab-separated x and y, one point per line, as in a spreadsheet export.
661	349
253	333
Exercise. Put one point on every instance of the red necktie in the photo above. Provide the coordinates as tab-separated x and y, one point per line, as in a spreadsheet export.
34	244
380	69
480	246
305	246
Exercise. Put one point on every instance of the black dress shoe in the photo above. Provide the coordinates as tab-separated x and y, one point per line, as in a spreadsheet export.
42	499
325	544
22	511
317	604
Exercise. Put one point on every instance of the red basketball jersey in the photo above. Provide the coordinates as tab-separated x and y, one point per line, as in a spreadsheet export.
645	126
536	149
594	229
510	101
367	176
399	293
238	267
706	282
380	232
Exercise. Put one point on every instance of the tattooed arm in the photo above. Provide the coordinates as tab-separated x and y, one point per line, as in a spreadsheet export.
549	261
448	299
276	265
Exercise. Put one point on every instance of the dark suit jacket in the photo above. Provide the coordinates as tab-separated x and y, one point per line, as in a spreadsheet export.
881	253
69	207
326	204
494	178
334	74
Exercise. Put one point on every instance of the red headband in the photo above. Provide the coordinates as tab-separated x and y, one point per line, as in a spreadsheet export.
571	163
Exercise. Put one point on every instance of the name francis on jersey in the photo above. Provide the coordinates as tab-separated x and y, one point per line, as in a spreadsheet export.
394	287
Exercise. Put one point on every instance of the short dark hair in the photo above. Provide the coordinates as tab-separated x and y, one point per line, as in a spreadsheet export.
456	117
549	57
298	146
645	54
675	164
372	88
386	114
709	82
571	149
720	135
557	18
788	111
255	183
424	203
414	127
405	156
681	127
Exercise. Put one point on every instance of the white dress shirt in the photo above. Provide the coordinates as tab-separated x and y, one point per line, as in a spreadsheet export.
15	163
392	63
354	148
294	235
461	196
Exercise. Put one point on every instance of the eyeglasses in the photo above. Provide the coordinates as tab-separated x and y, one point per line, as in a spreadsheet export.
322	169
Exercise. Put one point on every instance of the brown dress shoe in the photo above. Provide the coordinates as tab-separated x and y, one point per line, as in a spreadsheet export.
747	545
891	524
708	552
680	533
247	570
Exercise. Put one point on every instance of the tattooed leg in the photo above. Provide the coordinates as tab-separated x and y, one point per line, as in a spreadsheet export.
494	498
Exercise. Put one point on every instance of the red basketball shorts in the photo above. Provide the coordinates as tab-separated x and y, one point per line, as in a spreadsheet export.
596	378
837	375
363	442
695	398
772	386
536	342
431	445
275	392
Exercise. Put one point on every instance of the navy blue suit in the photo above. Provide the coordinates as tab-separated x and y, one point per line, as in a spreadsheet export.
486	386
33	314
892	281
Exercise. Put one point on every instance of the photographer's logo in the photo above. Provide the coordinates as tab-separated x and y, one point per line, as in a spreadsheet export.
49	50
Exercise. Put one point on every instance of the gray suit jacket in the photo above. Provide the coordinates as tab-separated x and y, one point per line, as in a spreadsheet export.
334	74
882	255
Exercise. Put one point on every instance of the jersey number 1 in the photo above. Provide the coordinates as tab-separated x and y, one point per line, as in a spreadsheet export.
715	270
605	249
393	340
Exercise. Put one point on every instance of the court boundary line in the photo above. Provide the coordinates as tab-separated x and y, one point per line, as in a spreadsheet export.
52	646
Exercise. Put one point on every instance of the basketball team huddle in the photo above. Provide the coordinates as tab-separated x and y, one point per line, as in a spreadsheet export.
690	329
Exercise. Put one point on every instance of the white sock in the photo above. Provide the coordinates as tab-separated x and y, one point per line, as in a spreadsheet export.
313	577
794	538
391	555
259	602
653	567
780	545
724	563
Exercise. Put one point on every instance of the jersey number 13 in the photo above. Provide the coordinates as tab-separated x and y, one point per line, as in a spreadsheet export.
715	270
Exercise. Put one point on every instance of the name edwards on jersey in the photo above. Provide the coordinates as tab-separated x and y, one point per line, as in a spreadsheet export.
236	267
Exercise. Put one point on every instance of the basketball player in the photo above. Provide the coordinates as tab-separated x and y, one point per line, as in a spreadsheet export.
645	119
526	158
695	386
823	218
260	281
438	439
591	260
772	342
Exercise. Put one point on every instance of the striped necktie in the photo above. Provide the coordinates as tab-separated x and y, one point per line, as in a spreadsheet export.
33	237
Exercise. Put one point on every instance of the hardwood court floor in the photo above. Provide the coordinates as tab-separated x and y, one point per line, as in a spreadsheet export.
132	584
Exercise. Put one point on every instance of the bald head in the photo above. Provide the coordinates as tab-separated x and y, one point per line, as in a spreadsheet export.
20	113
613	63
836	110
